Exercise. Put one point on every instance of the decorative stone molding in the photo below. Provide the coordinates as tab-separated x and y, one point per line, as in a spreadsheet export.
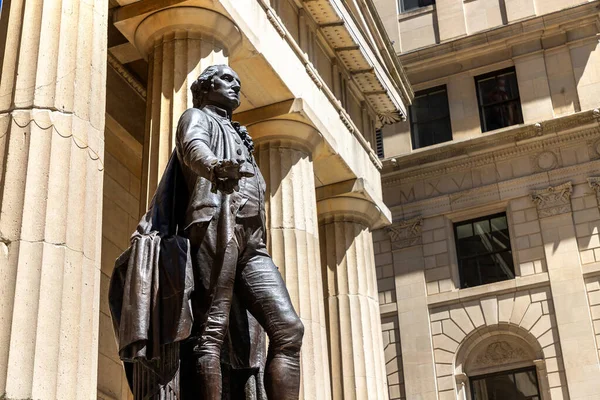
406	233
389	118
594	182
545	161
499	353
540	364
554	200
128	76
466	155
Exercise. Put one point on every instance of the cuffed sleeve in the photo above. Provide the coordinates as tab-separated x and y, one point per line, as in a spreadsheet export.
193	143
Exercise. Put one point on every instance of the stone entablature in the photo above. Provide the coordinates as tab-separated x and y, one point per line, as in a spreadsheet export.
492	169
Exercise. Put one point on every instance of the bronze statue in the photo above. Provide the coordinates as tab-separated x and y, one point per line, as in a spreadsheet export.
198	272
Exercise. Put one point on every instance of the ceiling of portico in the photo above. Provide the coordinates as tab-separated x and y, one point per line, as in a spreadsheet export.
340	22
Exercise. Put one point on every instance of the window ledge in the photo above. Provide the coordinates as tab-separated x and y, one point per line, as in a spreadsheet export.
496	288
416	12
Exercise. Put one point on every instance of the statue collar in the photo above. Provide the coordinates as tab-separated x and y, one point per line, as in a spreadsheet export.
216	111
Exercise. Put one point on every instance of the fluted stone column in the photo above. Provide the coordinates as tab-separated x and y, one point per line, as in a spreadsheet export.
354	325
52	96
283	152
179	44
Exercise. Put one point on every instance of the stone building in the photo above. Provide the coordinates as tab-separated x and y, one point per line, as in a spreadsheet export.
90	93
489	277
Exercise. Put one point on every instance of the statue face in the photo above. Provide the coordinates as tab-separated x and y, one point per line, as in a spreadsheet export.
224	91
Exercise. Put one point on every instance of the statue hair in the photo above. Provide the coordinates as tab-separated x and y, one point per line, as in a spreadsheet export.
202	85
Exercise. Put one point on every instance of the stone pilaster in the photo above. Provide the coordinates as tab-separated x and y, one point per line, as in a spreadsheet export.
354	325
575	328
179	44
283	152
52	96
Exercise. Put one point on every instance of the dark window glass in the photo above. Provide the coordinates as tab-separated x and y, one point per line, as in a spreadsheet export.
412	4
379	143
430	118
499	101
483	250
514	385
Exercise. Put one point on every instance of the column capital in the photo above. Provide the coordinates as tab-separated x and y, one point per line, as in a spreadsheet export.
554	200
296	134
350	208
191	22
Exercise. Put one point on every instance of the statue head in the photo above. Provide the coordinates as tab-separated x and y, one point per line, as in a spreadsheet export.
217	85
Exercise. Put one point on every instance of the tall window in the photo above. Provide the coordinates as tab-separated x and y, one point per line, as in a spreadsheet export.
483	250
406	5
515	385
430	118
499	101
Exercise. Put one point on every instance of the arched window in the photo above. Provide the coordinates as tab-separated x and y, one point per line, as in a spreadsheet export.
503	366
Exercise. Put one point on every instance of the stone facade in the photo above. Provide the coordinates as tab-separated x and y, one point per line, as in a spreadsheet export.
542	173
90	95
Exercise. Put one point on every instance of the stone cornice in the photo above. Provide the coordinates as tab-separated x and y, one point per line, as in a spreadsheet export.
502	37
502	145
344	34
131	80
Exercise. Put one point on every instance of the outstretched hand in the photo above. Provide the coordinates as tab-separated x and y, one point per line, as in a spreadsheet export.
227	175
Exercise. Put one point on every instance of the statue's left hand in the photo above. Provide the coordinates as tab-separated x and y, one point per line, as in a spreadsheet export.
227	186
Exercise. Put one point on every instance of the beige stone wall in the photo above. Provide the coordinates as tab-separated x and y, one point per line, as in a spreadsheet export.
393	358
523	311
552	304
123	163
557	71
593	291
451	19
417	29
587	223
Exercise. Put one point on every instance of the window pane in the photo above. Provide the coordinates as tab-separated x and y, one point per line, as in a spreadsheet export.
469	273
502	115
463	231
438	105
473	245
485	269
484	251
507	85
487	91
506	386
527	383
409	4
498	223
499	100
430	118
440	131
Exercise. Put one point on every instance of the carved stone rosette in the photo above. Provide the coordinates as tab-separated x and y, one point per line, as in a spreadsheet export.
554	200
406	233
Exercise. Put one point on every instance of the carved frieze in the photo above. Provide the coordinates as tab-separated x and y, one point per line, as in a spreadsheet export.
499	353
554	200
406	233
